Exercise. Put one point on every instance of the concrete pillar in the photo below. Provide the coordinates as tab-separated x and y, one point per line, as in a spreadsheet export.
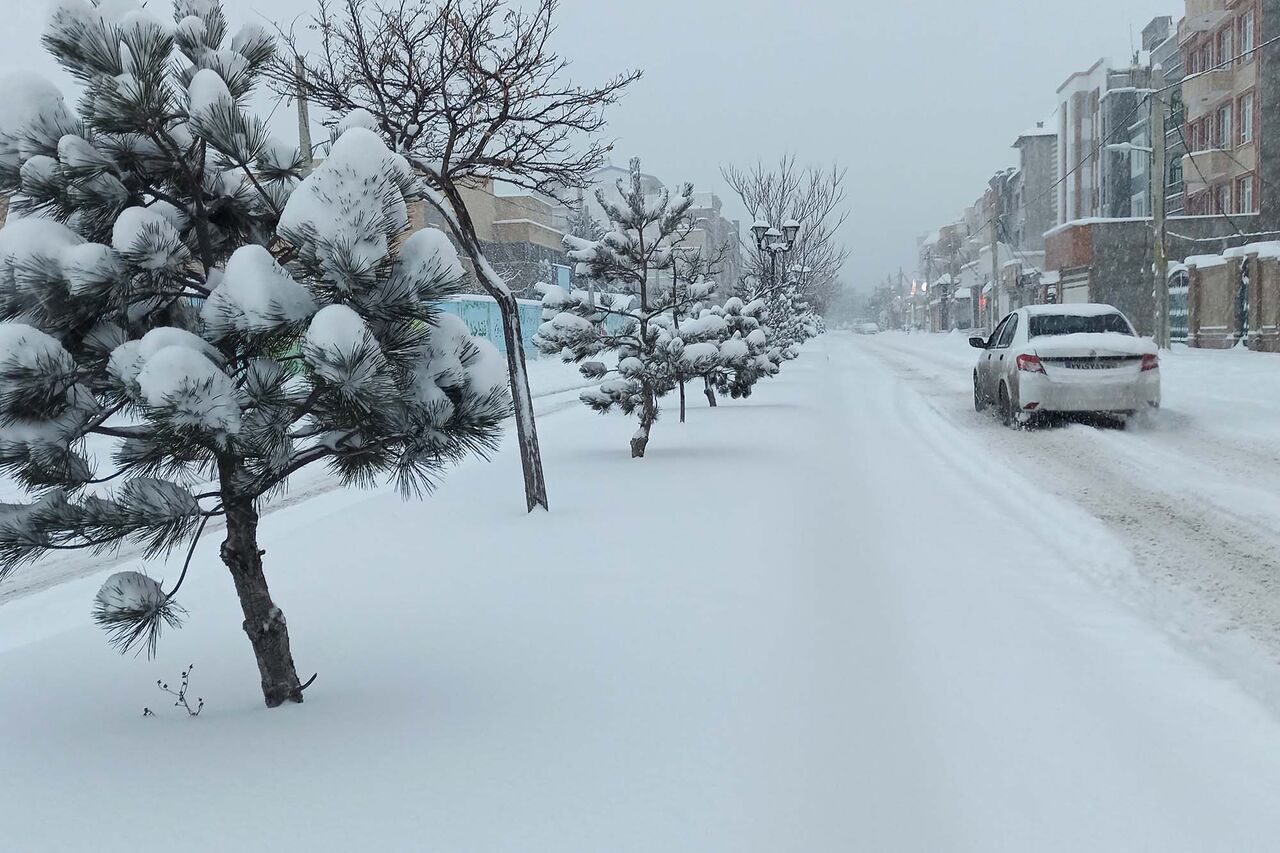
1236	328
1193	306
1255	302
1268	289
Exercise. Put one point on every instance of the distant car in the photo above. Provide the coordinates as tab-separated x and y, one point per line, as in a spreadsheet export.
867	329
1065	358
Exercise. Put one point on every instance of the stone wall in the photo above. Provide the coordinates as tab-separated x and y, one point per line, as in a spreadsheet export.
1121	271
1264	304
1212	301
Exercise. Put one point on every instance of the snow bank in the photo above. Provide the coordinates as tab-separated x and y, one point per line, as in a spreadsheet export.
1268	249
1205	261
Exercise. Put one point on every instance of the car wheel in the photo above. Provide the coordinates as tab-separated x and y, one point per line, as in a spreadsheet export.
979	403
1006	408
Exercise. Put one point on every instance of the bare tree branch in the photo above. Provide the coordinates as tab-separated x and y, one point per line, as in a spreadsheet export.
816	197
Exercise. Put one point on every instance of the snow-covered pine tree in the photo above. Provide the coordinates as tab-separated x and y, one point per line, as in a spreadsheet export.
744	351
175	299
582	224
636	255
702	326
788	321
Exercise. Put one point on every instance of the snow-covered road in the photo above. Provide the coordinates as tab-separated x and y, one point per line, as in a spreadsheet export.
1019	702
845	615
1193	494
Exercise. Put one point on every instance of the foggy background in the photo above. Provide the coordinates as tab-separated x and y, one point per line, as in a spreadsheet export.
920	100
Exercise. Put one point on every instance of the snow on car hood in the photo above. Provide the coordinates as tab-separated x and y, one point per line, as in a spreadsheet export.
1087	343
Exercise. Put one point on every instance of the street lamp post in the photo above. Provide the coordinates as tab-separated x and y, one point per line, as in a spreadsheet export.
774	241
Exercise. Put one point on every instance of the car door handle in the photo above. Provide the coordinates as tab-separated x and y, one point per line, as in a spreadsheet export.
1002	356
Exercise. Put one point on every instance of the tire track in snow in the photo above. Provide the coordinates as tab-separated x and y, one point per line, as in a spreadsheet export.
1180	515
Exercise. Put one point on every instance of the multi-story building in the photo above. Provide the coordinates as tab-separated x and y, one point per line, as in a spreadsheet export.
1231	158
1035	204
1125	175
713	233
1160	38
1079	129
1098	108
518	234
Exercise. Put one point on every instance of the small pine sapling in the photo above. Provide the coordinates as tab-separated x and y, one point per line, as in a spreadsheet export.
637	256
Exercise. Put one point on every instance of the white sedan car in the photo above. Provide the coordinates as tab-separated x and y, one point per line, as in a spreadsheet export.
1065	358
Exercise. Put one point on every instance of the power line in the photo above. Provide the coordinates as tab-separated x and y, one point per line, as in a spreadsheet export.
1216	199
1226	63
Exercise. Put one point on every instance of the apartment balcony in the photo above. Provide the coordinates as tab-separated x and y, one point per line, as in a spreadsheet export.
1204	169
1203	92
1204	16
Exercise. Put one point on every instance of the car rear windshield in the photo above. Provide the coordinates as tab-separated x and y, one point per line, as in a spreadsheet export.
1047	325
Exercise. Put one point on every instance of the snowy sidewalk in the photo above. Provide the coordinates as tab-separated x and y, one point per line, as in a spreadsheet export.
784	631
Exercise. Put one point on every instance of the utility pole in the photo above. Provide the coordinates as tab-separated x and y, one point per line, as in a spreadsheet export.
304	118
910	303
1159	171
996	284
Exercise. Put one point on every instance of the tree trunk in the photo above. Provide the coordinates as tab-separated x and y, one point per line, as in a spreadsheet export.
535	484
710	392
682	403
263	621
648	415
460	223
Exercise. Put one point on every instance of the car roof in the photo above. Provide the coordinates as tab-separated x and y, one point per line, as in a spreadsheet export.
1087	309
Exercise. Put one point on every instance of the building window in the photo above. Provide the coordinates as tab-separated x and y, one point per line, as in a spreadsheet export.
1248	35
1175	173
1226	45
1225	140
1244	191
1223	199
1246	119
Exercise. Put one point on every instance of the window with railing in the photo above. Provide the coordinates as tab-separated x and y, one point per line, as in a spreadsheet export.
1177	109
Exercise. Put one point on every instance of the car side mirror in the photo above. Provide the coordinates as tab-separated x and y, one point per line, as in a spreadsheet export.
977	342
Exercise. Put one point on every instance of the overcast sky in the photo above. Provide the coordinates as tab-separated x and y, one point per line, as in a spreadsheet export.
920	99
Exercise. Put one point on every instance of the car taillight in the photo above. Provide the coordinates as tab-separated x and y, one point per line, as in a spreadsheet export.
1150	362
1030	364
